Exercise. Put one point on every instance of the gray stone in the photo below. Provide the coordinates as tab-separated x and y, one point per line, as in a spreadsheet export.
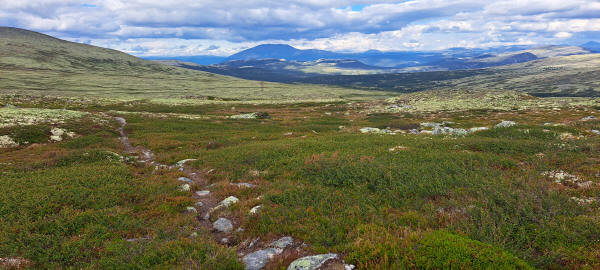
505	124
202	193
430	125
311	262
185	179
255	209
595	131
282	242
258	259
244	185
254	115
588	118
476	129
223	225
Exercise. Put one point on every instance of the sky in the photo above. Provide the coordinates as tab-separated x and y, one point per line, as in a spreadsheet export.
224	27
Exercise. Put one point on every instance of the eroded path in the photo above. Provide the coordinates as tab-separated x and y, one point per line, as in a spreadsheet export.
254	253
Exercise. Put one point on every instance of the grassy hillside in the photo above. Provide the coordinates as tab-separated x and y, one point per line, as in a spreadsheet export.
574	75
37	64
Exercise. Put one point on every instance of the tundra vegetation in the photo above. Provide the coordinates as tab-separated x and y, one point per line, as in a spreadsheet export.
465	179
488	199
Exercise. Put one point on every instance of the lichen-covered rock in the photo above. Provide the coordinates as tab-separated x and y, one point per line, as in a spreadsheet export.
229	201
506	124
258	259
57	134
7	142
255	209
282	242
376	130
223	225
254	115
185	188
311	262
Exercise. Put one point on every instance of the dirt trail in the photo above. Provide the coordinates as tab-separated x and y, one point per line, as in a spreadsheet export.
254	255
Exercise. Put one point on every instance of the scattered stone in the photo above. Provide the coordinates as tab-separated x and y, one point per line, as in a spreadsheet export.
258	259
7	142
229	201
476	129
224	240
595	131
223	225
199	204
584	201
202	193
182	162
588	118
10	106
243	185
185	179
191	209
311	262
430	125
376	130
254	173
566	136
288	134
349	267
282	242
566	179
194	235
254	115
505	124
397	148
255	209
57	134
14	263
427	132
185	188
341	127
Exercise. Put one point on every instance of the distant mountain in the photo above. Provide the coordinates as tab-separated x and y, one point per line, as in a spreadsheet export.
592	46
197	59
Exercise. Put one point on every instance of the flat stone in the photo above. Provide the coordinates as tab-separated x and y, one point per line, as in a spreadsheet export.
229	201
182	162
282	242
311	262
202	193
185	179
223	225
258	259
244	185
199	204
505	124
255	209
191	209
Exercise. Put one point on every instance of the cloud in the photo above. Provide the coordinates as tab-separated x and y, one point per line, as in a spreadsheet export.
188	27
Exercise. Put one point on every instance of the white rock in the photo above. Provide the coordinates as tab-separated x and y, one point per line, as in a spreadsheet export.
7	142
255	209
185	179
202	193
311	262
229	201
191	209
505	124
185	187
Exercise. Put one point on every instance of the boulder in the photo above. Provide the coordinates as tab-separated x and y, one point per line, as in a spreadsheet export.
311	262
229	201
223	225
505	124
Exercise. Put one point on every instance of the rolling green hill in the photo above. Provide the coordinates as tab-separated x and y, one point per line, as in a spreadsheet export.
35	64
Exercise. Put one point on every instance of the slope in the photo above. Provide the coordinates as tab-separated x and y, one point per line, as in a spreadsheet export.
36	64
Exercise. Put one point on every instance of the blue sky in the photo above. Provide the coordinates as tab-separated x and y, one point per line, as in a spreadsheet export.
208	27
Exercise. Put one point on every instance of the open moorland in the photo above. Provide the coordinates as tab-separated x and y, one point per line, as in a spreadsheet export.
128	164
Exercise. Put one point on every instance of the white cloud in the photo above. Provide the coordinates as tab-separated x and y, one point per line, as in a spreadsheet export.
189	27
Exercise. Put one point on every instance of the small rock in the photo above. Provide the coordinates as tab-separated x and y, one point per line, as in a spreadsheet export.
595	131
182	162
223	225
476	129
191	209
254	115
243	185
397	148
185	179
376	130
430	125
229	201
199	204
185	188
311	262
202	193
7	142
255	209
224	240
588	118
282	242
288	134
194	235
57	134
349	267
505	124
